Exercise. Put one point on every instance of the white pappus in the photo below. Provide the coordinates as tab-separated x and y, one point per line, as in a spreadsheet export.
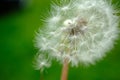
81	31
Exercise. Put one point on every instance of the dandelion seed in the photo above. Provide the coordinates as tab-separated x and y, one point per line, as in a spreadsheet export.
41	62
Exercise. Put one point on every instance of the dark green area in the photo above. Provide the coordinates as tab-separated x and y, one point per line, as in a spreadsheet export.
17	32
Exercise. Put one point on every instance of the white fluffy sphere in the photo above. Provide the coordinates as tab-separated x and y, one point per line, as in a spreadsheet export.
81	31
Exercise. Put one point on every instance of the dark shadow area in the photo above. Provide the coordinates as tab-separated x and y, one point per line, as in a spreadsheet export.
9	6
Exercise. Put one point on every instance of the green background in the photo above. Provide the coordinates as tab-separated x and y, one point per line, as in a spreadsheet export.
17	33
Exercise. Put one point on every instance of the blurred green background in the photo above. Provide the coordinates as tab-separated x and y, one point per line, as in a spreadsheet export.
17	32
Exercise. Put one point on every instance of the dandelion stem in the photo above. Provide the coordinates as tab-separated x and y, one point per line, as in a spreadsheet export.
64	75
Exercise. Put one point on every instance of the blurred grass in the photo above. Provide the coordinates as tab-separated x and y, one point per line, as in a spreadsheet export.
17	32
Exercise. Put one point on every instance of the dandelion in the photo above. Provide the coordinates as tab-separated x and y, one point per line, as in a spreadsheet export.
42	62
79	32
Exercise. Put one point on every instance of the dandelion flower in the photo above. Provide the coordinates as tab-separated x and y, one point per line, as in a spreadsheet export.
81	31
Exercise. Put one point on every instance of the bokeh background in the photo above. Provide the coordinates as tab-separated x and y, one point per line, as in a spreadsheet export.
19	20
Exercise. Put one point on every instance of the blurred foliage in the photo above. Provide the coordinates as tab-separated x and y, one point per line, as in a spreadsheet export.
17	31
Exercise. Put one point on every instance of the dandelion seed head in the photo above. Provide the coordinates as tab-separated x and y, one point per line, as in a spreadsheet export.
82	31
